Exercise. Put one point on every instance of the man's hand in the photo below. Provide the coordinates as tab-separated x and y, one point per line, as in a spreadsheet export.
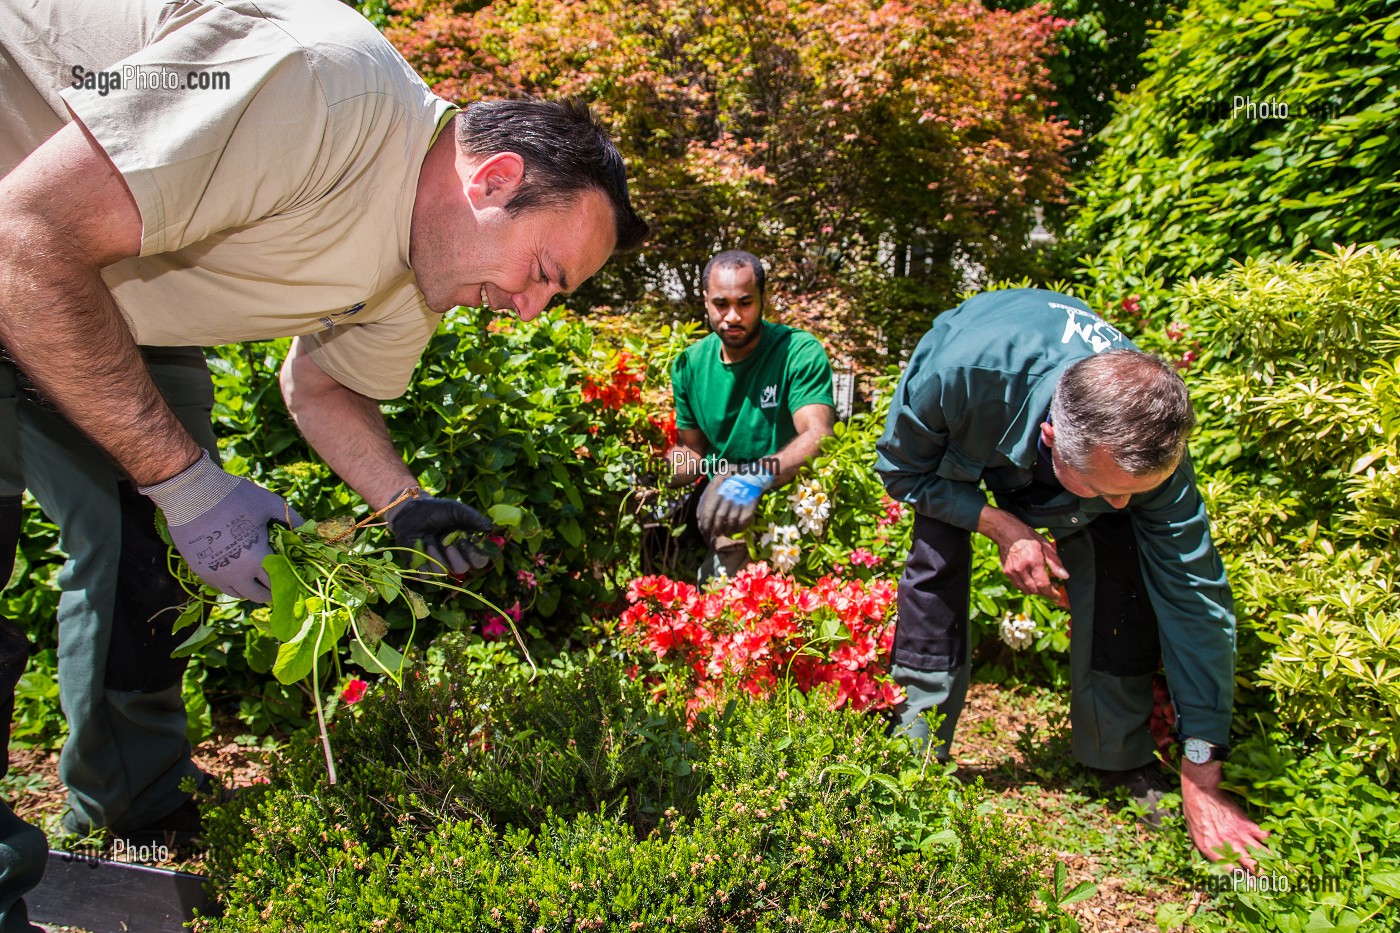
425	523
218	523
1027	558
1217	824
730	501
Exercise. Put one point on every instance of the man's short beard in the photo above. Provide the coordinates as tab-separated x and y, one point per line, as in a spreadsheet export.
750	338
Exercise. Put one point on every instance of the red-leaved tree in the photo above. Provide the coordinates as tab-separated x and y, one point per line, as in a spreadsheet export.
872	152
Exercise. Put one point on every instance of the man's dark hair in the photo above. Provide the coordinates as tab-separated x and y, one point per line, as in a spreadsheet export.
735	259
1129	403
566	152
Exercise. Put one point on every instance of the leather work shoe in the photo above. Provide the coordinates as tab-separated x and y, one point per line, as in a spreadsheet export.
1146	786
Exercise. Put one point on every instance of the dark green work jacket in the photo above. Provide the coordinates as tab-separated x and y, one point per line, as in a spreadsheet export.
967	413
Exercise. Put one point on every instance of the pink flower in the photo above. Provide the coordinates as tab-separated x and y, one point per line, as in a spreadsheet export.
498	540
1130	304
861	557
894	511
494	628
514	612
527	578
1176	330
354	691
1186	360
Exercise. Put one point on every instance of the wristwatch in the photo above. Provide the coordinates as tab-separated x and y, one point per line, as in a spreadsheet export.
1199	751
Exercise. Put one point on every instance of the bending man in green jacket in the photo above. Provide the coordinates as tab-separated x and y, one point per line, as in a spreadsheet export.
1073	430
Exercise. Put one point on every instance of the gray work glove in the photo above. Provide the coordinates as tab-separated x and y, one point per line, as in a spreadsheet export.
425	523
218	523
728	504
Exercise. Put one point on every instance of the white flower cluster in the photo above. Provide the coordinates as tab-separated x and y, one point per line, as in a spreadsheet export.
784	551
811	506
1018	631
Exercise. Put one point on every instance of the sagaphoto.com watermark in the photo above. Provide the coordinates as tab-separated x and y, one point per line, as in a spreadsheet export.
1263	109
1239	881
148	78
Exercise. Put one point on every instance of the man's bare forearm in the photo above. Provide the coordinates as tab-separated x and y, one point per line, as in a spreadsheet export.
61	326
686	465
798	452
813	423
346	428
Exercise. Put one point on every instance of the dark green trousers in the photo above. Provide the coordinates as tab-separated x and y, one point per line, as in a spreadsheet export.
126	752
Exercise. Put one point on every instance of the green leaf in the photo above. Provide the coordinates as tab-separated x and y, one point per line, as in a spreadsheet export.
296	657
259	650
288	597
506	515
944	837
416	605
378	659
571	532
1080	892
1387	882
190	615
201	637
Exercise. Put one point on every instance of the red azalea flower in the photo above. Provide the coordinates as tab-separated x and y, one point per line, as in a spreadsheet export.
354	691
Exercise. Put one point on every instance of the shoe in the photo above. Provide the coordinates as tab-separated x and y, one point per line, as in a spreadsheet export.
1146	786
177	830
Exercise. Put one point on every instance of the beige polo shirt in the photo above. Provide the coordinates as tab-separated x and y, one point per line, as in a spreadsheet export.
273	148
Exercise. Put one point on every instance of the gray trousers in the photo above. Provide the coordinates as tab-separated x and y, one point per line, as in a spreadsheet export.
127	751
1114	643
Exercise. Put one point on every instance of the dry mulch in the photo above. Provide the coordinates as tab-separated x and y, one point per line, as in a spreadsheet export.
1004	738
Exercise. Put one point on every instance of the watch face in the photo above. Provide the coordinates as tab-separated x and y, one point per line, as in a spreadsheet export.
1197	751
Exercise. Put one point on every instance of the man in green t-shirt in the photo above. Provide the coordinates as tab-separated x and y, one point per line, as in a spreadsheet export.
753	402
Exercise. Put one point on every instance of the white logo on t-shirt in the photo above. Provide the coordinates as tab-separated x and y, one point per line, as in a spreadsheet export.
769	398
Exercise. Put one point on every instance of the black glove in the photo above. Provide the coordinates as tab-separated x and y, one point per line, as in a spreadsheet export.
425	523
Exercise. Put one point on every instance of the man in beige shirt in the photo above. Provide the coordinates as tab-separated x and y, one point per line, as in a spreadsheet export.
197	172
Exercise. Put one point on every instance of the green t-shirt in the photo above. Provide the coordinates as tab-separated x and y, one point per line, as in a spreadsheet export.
744	409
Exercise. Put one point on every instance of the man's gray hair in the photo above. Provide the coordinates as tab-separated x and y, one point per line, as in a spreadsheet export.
1131	404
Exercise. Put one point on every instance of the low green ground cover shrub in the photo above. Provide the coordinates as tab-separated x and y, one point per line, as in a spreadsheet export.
1334	862
479	801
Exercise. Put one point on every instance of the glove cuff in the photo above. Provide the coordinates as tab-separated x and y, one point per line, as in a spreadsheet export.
762	477
394	511
188	495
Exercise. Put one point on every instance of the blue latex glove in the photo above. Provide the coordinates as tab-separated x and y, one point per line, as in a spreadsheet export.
730	501
218	523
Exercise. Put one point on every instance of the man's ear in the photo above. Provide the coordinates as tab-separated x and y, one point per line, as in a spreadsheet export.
1047	434
495	179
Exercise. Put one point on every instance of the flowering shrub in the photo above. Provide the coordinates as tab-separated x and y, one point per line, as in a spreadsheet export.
836	517
620	386
1018	631
759	629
